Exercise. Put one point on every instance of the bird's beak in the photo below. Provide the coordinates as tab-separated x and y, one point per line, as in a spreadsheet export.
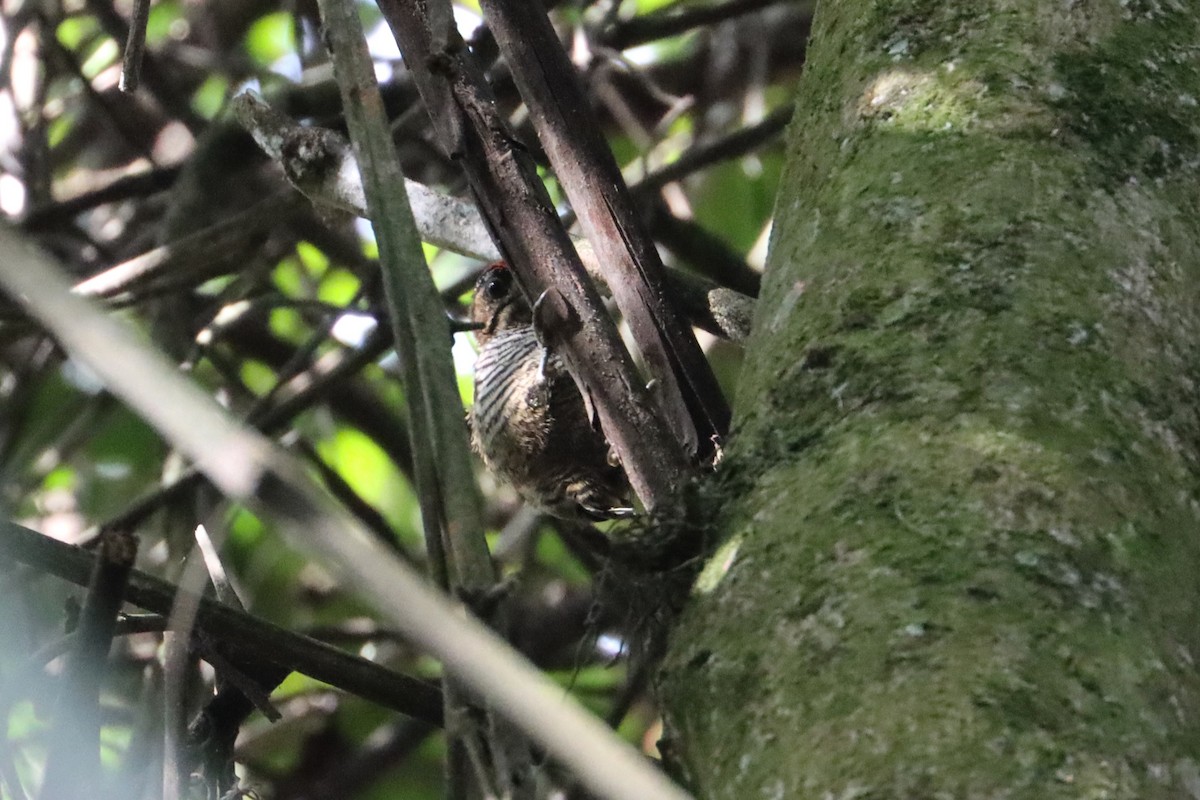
462	324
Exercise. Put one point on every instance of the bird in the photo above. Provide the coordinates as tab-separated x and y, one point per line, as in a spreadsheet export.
529	423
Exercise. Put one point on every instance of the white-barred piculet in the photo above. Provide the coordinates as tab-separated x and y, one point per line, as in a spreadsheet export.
529	422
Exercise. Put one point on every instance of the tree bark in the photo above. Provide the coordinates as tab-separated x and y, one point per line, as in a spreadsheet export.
961	507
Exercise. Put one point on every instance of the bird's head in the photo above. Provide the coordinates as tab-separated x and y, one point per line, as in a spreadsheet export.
498	303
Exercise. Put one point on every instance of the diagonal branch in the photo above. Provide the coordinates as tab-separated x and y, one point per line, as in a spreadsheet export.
589	174
451	507
646	28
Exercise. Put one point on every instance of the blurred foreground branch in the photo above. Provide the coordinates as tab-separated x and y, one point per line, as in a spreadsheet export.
248	468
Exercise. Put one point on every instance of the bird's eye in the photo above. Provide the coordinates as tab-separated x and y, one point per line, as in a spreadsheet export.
498	285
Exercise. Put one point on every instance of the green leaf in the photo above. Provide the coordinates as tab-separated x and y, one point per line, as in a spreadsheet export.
165	22
210	97
286	323
73	31
271	38
338	287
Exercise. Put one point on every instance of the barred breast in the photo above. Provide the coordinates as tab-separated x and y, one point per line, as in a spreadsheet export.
530	426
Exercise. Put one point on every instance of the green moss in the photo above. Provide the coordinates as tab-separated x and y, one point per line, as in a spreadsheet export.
913	599
964	476
1128	99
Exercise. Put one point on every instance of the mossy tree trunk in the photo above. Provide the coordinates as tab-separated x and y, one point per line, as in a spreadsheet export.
962	503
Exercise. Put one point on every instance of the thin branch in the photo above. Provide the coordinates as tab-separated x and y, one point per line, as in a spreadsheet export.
245	636
364	512
327	375
73	763
302	358
153	74
306	390
231	677
214	729
672	22
127	187
139	140
217	576
734	145
215	250
135	47
705	252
